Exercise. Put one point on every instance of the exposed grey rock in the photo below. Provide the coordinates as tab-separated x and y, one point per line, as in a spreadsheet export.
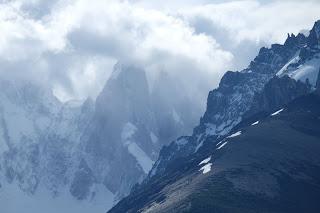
276	93
227	104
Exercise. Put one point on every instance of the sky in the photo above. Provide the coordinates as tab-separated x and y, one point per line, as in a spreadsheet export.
72	46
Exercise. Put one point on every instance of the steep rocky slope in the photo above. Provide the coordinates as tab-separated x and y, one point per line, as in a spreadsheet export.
227	104
276	77
268	163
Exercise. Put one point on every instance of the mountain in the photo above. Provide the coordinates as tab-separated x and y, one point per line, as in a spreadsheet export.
120	141
129	126
277	92
84	156
229	103
260	116
40	154
270	165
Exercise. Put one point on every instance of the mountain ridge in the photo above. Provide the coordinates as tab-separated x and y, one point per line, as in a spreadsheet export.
170	176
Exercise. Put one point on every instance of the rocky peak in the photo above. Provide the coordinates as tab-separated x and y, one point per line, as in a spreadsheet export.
272	59
127	87
227	104
293	40
314	36
122	136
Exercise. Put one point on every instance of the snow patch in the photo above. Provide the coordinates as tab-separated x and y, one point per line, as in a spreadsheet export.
205	160
142	158
222	145
308	70
277	112
295	59
219	143
255	123
234	134
206	168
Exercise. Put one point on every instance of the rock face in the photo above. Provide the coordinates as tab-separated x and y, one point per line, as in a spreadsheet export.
314	37
129	126
277	76
121	130
272	166
297	58
276	93
304	66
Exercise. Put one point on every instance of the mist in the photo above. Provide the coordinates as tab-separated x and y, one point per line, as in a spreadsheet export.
72	46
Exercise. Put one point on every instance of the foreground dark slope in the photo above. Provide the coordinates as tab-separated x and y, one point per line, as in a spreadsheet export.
273	166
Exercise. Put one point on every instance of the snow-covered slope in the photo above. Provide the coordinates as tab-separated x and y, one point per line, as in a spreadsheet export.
304	66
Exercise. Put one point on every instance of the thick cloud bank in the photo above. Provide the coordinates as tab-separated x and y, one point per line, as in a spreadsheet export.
72	46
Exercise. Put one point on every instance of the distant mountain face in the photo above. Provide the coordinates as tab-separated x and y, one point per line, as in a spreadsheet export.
278	76
121	141
88	155
39	147
129	126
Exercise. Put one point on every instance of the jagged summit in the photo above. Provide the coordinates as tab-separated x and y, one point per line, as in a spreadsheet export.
250	144
314	36
227	104
293	40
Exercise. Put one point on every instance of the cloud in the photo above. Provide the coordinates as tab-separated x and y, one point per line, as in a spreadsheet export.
73	45
244	26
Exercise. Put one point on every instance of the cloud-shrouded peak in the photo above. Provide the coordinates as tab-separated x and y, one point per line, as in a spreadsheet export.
72	46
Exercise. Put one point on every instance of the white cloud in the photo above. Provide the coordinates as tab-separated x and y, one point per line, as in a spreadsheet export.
241	27
73	44
252	20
